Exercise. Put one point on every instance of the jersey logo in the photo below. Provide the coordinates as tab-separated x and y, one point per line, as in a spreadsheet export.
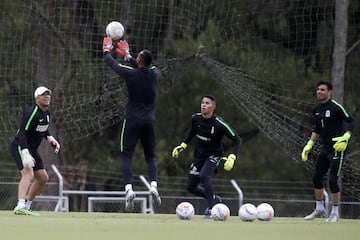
212	130
203	138
42	128
327	113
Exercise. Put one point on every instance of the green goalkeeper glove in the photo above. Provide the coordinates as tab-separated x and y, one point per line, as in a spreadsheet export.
177	150
306	150
229	162
341	142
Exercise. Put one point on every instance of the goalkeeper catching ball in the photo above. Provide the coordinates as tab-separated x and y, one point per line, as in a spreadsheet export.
329	117
142	83
208	129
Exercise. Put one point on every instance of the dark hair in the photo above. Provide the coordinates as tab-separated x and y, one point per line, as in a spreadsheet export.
210	96
327	83
146	56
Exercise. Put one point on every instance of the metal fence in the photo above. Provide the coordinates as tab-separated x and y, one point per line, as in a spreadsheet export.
289	199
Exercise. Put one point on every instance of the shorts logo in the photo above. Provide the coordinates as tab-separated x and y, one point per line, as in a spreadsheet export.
194	170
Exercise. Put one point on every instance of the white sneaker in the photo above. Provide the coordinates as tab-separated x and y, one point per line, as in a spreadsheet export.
315	214
129	200
333	218
156	197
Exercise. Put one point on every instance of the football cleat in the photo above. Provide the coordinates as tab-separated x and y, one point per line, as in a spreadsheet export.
129	200
23	211
315	214
156	197
207	213
333	218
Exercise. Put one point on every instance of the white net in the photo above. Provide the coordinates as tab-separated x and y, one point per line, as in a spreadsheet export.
260	51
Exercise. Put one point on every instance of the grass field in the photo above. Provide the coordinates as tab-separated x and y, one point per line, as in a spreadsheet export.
106	226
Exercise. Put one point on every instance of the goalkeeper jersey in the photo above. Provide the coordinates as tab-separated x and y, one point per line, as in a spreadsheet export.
209	133
329	121
33	128
142	86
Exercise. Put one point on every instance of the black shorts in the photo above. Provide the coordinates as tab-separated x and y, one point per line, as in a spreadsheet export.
15	151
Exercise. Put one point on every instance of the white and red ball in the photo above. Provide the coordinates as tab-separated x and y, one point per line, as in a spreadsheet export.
115	30
265	212
248	212
185	211
220	212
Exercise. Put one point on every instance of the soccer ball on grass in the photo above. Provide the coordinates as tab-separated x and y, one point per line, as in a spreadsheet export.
265	212
220	212
248	212
115	30
185	211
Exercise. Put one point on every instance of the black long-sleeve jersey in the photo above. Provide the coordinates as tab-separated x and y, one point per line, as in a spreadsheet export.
33	128
329	121
142	85
209	133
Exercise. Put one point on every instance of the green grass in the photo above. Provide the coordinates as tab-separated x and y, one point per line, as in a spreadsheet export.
105	226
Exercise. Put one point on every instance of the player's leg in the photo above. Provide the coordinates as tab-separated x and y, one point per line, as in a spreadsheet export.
336	162
193	180
27	175
128	141
206	172
40	179
321	168
147	139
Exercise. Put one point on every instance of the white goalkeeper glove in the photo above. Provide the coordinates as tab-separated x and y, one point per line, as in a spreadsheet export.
27	160
54	144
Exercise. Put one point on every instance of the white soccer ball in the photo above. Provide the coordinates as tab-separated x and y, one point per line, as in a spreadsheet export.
265	212
220	212
185	211
248	212
115	30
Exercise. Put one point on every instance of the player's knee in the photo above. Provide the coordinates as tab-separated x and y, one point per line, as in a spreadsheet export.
204	178
317	181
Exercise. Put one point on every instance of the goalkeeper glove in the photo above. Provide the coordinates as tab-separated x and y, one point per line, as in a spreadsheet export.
341	142
177	150
54	144
107	45
306	150
229	162
123	49
27	160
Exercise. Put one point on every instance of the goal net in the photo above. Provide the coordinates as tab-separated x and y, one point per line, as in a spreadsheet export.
266	55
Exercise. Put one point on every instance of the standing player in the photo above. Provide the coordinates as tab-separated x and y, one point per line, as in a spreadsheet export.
33	128
209	129
142	85
329	126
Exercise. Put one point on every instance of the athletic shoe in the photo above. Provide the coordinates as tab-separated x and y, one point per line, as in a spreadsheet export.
23	211
156	197
129	200
315	214
333	218
207	213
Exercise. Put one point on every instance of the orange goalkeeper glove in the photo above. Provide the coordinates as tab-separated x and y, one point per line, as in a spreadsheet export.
123	49
107	45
